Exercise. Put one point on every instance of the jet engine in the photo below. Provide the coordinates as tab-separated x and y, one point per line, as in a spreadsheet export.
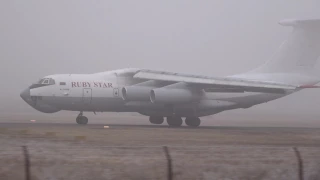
136	93
173	96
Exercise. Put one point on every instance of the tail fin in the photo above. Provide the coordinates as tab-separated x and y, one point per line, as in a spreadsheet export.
298	54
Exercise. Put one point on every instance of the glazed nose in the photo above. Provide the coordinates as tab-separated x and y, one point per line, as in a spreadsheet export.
25	94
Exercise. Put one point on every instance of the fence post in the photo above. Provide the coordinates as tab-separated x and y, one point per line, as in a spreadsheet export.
166	151
26	162
300	163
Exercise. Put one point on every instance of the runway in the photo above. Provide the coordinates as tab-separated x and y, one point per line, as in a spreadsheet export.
164	135
291	134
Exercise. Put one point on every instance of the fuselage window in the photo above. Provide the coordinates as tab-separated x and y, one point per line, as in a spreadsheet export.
62	83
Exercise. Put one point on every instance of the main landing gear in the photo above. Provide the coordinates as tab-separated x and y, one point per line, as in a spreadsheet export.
156	119
193	121
83	120
176	121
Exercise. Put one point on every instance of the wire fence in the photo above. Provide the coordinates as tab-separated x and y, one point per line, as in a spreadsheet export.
46	156
168	169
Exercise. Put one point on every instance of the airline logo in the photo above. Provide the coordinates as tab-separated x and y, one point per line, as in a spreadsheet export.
91	84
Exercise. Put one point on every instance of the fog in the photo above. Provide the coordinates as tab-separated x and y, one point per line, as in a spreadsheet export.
216	38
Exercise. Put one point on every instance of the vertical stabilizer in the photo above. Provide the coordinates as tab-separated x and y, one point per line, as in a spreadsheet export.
297	56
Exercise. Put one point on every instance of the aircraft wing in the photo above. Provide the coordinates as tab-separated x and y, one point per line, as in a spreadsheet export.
217	84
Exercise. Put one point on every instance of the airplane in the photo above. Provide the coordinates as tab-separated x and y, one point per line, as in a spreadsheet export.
160	94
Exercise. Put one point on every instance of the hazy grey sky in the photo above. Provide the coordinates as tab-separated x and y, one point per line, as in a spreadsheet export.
41	37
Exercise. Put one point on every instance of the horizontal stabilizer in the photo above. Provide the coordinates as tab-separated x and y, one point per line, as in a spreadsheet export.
308	86
300	22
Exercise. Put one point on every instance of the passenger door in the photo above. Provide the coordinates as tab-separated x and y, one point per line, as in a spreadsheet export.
87	95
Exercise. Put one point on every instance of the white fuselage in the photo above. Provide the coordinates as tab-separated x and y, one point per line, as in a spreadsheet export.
101	92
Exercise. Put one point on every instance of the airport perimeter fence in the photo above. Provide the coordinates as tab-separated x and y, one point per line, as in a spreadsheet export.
169	165
27	163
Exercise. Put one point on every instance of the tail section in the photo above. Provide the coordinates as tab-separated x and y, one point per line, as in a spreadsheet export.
295	59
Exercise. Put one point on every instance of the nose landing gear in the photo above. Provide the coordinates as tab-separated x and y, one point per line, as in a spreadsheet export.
83	120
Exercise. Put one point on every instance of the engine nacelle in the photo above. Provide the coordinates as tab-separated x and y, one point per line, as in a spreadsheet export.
136	93
173	96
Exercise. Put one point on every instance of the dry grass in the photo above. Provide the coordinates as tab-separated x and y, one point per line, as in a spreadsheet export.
135	152
80	138
50	134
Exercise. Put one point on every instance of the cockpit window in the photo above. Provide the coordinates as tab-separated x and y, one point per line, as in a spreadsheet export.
43	82
40	81
46	81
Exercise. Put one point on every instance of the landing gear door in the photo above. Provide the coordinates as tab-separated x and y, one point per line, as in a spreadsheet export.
87	95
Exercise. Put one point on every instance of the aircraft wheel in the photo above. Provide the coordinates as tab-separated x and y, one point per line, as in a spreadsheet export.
174	121
82	120
193	121
156	119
